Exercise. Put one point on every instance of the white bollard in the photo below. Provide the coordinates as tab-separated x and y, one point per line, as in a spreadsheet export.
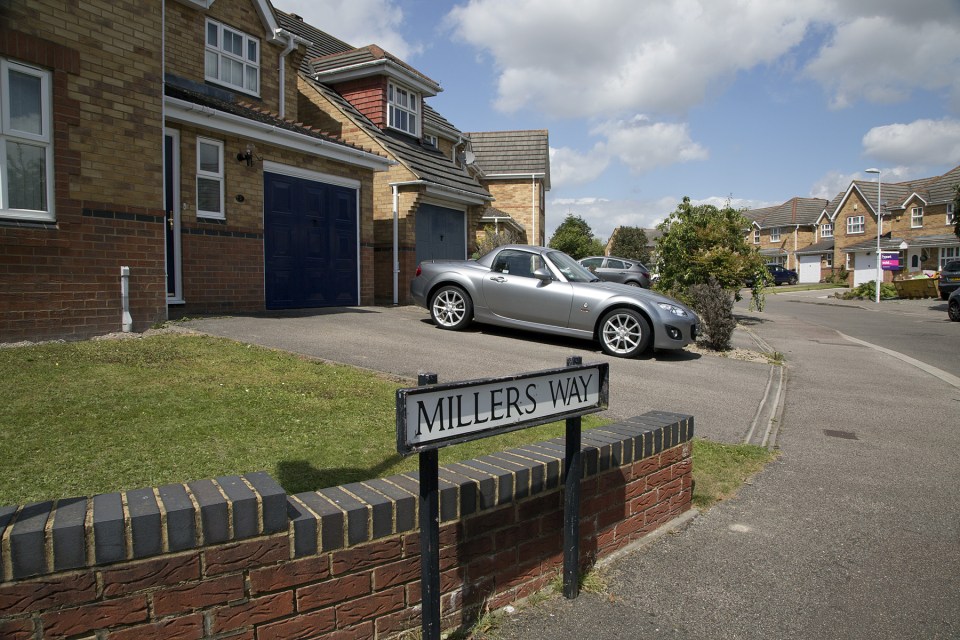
127	320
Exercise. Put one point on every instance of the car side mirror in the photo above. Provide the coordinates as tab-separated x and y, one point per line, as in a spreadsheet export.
543	275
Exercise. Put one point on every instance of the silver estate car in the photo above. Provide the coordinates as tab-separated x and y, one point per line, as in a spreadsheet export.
544	290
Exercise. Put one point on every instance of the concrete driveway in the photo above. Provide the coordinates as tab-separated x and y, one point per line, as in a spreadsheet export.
725	395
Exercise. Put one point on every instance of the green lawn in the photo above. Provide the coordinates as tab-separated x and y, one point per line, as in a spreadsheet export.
98	416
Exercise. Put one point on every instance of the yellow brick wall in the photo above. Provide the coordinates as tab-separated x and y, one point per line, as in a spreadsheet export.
522	199
186	43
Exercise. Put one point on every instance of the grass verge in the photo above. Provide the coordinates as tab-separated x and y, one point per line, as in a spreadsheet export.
99	416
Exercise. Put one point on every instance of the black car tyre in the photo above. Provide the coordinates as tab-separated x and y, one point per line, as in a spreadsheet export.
953	310
624	333
633	283
451	308
792	280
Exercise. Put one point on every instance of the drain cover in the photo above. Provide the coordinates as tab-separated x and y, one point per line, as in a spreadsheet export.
846	435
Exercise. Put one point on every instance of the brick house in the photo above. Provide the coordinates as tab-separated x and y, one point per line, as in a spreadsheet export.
818	237
515	167
430	202
786	234
917	223
166	138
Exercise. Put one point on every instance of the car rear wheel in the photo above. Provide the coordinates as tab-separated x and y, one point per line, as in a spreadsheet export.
624	333
451	308
953	310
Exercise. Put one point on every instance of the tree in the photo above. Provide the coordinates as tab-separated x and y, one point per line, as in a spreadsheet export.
575	238
702	242
956	211
631	243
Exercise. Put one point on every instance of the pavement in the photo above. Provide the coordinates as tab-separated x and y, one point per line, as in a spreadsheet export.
853	532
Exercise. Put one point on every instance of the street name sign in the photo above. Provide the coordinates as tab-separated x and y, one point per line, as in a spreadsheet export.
438	415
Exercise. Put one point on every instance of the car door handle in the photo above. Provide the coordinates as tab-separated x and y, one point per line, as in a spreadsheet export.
499	279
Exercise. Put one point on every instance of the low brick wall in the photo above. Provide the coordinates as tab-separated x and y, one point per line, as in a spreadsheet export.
235	557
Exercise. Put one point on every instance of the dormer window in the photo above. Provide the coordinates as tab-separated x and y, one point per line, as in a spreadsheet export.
430	140
826	230
403	107
232	58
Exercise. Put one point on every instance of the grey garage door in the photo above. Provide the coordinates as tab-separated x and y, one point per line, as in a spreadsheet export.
310	243
441	233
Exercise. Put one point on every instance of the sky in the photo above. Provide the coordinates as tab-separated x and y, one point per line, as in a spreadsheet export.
751	102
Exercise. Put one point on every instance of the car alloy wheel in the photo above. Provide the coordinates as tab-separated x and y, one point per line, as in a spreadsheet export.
451	308
954	310
624	333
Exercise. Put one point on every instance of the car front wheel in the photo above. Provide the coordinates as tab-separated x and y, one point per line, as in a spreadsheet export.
451	308
954	310
624	333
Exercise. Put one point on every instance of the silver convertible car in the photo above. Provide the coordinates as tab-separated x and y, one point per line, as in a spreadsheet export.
541	289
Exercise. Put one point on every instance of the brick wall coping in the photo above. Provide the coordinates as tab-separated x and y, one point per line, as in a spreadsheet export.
61	535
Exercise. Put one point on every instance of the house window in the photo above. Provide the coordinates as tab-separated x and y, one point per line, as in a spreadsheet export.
430	140
756	236
947	254
404	109
232	58
827	259
209	179
826	230
775	234
26	143
846	261
916	217
855	225
951	213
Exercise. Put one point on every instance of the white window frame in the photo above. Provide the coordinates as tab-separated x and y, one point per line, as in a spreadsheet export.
217	177
947	254
756	236
828	260
826	230
950	214
220	55
402	101
775	234
916	217
43	140
856	225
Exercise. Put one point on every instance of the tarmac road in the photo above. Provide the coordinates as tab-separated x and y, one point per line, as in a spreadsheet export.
853	533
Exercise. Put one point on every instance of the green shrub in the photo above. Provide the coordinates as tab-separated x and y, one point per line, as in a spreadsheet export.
714	305
868	291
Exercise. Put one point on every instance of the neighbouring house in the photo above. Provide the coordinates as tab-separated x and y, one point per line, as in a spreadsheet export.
166	138
515	168
917	223
819	238
432	201
788	235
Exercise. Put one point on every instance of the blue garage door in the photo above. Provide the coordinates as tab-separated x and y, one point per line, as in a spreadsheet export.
441	233
310	244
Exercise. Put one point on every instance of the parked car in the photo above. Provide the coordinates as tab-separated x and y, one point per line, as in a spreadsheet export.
541	289
779	275
953	305
949	279
620	270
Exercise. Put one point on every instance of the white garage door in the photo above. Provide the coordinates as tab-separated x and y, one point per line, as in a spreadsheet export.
810	268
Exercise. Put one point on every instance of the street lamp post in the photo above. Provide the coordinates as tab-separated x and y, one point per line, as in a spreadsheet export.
879	231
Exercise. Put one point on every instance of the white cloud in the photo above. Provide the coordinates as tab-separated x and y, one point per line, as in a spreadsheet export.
917	142
357	22
880	58
567	58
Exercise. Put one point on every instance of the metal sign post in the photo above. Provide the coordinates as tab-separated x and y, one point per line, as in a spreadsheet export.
435	415
429	535
571	503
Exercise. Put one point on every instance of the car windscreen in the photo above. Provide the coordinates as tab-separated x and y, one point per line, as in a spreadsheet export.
572	270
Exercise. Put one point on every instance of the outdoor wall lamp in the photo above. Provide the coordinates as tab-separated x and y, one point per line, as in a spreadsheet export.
248	156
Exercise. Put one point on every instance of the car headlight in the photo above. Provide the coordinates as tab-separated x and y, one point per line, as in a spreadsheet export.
672	308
